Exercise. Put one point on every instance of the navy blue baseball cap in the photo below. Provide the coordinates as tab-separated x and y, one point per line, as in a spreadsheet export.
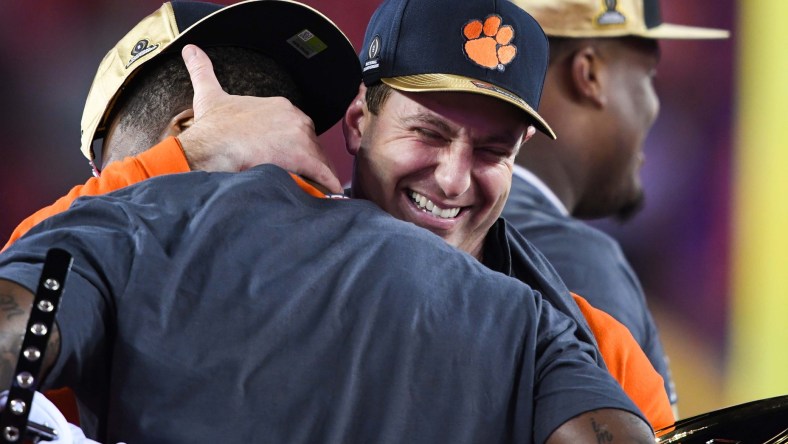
489	47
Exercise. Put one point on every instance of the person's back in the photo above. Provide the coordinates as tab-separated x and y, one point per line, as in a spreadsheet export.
247	310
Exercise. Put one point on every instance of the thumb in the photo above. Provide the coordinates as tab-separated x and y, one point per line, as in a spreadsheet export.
204	81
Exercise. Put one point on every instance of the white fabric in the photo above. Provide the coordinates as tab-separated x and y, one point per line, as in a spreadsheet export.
44	412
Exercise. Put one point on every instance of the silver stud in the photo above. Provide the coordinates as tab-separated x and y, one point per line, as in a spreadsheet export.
45	306
51	284
11	434
38	329
32	353
25	379
18	406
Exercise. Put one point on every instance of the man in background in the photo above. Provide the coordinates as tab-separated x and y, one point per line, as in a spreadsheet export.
599	93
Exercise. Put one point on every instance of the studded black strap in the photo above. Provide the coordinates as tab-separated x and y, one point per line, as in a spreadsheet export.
14	418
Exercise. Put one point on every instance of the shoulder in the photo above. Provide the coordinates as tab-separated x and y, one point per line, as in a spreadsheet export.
555	234
536	218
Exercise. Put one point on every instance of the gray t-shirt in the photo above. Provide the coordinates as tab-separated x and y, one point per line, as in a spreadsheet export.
591	264
213	307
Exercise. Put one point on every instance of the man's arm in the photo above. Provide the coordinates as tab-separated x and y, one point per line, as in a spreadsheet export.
15	305
603	426
576	400
628	364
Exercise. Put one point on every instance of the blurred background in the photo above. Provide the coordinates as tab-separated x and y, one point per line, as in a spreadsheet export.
710	261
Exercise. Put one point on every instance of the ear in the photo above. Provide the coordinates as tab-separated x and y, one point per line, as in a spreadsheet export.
354	121
586	72
529	132
178	124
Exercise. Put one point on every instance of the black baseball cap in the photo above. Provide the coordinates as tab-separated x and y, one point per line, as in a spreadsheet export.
489	47
313	50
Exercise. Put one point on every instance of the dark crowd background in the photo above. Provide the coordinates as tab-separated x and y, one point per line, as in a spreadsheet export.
679	244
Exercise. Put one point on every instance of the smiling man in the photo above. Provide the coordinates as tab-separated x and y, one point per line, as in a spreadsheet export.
425	159
436	134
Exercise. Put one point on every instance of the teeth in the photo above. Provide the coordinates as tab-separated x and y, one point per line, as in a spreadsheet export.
427	205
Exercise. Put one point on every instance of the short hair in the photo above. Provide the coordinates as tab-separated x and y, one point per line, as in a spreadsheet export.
376	97
163	89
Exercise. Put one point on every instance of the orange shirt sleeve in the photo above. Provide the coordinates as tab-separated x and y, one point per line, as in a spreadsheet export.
629	365
307	187
165	158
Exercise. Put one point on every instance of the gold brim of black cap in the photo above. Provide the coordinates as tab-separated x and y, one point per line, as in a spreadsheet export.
456	83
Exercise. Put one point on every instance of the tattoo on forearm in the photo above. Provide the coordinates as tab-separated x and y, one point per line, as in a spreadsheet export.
9	353
9	306
603	435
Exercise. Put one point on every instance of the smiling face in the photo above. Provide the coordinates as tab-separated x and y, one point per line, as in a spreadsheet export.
442	160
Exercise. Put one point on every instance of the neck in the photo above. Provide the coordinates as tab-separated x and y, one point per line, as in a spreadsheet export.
543	157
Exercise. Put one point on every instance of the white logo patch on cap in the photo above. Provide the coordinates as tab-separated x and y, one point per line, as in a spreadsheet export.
372	54
140	50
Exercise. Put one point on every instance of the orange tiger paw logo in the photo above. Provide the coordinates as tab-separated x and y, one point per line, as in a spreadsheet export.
488	43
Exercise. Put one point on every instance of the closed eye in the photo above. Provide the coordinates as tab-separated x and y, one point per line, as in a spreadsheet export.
495	153
429	128
429	136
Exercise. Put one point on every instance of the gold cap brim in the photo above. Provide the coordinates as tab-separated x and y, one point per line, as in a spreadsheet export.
455	83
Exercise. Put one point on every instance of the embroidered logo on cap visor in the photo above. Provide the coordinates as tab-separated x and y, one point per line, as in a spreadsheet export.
611	14
488	44
142	48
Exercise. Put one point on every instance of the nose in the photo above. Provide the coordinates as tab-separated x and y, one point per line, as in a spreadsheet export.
453	172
